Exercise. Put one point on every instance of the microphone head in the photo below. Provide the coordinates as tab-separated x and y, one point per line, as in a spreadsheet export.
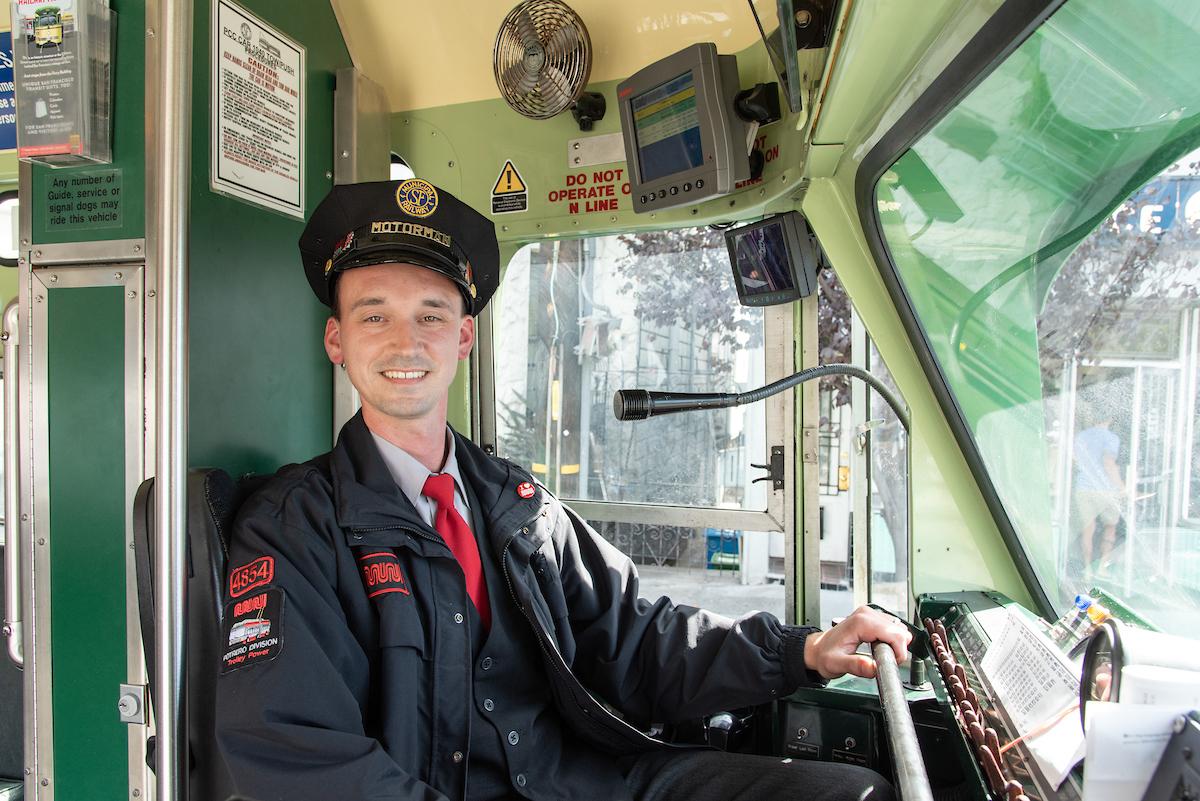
631	404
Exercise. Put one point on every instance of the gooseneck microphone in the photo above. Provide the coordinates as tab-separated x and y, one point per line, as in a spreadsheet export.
638	404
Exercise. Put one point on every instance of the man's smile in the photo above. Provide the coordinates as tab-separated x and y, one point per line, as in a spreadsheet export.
404	375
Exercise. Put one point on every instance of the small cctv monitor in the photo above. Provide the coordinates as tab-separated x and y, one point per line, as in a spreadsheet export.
774	260
683	139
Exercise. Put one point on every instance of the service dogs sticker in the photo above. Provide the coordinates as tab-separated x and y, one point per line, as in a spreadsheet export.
253	630
525	490
258	573
381	574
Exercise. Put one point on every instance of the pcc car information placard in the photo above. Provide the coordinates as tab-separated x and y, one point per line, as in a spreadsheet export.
257	111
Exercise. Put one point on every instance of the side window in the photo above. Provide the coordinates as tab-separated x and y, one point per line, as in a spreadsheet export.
862	468
579	319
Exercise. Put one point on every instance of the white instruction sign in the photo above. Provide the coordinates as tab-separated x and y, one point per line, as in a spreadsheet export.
257	111
1040	692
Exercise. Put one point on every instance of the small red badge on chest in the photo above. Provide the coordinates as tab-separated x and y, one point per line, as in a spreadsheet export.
525	489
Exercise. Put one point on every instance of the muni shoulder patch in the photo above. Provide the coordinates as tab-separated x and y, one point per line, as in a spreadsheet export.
253	630
381	573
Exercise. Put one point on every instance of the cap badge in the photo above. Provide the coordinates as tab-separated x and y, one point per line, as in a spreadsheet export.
344	245
416	197
525	489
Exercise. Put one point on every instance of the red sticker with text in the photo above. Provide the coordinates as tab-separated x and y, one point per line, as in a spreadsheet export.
258	573
525	489
381	574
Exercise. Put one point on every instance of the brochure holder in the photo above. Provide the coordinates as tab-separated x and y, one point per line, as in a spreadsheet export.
62	59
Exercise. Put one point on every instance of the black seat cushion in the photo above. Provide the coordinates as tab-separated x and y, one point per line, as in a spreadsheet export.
213	499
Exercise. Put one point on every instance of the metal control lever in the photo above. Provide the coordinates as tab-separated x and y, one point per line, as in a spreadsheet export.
920	648
911	777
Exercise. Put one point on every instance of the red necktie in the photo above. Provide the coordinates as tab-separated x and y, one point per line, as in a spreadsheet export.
439	487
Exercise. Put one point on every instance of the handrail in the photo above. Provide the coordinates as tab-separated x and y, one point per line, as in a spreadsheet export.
13	618
167	230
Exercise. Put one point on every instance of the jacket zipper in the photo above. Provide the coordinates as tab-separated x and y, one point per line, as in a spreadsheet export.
540	635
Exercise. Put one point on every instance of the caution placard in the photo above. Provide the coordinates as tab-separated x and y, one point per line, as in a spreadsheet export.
509	194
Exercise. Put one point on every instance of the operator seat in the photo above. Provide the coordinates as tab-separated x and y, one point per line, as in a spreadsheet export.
213	499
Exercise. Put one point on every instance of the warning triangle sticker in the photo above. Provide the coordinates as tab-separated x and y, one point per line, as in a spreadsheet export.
509	182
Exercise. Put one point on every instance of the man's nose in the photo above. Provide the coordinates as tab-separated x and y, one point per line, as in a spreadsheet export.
406	338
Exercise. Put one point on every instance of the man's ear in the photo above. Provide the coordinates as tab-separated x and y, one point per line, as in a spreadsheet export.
333	341
466	337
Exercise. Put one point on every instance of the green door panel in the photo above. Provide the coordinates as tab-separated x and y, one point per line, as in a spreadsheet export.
85	390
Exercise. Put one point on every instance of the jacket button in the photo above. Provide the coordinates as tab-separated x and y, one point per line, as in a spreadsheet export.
486	664
458	618
457	756
488	705
513	738
520	779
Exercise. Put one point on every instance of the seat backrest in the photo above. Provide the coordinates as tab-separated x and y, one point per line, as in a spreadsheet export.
213	499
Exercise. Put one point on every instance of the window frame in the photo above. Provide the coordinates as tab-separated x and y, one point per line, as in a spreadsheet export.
1007	29
778	338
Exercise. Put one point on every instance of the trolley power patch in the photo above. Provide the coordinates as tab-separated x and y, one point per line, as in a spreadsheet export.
258	573
381	574
253	630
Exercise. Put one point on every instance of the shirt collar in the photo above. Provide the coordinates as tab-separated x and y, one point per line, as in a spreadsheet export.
410	475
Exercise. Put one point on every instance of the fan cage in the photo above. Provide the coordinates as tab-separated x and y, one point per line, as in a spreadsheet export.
562	36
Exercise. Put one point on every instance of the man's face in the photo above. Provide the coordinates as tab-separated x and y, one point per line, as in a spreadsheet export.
401	332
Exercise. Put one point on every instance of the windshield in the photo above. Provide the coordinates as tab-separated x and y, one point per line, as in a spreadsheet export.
1047	233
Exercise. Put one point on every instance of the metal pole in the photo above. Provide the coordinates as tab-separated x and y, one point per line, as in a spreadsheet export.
168	232
12	492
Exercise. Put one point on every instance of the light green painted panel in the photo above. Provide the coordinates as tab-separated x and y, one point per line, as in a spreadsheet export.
85	387
463	148
956	544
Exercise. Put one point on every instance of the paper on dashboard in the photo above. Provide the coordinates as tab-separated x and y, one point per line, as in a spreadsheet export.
1036	684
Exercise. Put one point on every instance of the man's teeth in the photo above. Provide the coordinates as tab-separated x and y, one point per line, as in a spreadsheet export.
404	373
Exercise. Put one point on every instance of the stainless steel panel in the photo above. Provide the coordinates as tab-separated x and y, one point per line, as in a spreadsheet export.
808	491
588	151
361	129
117	250
686	516
14	598
39	695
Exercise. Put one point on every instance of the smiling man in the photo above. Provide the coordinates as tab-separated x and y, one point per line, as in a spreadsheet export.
411	618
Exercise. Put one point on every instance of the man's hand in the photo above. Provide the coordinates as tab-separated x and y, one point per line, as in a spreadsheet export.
832	653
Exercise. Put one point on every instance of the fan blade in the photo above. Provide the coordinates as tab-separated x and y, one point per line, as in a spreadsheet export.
562	41
523	24
555	87
519	80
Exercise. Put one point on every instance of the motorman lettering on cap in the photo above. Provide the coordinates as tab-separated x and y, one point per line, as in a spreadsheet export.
401	222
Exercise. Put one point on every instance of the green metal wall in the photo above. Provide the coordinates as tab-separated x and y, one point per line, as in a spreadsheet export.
261	387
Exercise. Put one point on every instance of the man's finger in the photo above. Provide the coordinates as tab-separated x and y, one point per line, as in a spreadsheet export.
856	664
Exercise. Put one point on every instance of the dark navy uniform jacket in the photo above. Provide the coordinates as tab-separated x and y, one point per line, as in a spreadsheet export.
351	671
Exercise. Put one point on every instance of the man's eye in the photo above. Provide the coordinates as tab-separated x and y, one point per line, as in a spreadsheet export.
374	318
432	318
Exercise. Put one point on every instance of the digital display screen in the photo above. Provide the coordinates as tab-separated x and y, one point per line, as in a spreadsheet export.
762	259
667	128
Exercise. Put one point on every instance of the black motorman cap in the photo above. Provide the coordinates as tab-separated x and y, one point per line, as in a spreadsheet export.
411	222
